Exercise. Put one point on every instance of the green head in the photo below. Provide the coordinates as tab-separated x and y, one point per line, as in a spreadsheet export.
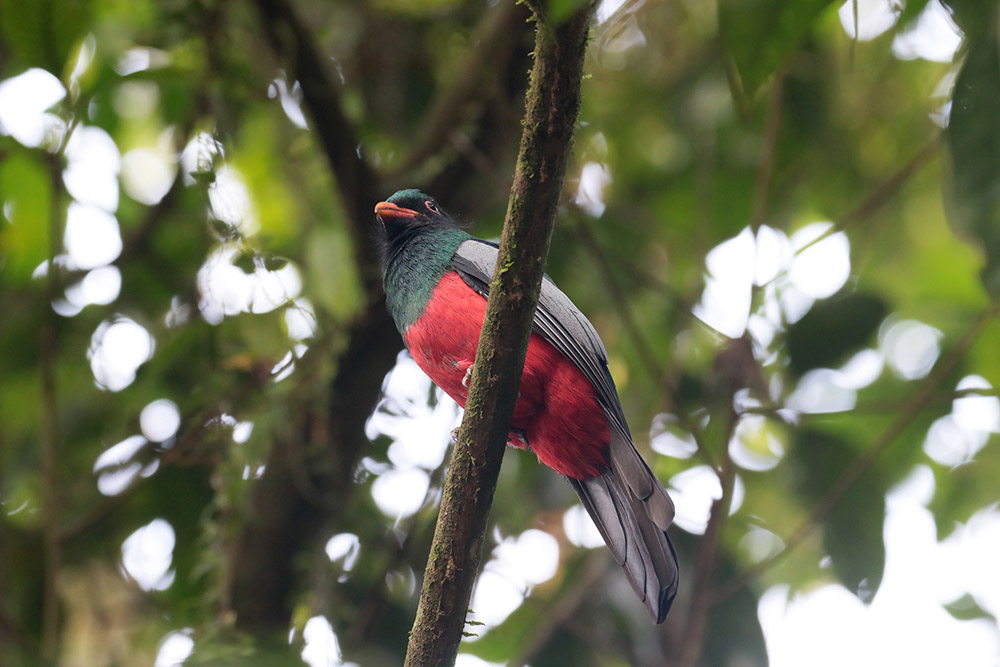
409	212
418	240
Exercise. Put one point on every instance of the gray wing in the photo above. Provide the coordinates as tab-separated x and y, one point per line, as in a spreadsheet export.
562	324
627	502
556	319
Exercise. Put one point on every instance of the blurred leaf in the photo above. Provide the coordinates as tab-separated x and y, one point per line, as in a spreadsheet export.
26	194
966	608
417	8
962	490
852	533
44	31
223	230
246	261
974	17
561	10
974	139
262	144
911	10
274	262
760	35
832	330
332	275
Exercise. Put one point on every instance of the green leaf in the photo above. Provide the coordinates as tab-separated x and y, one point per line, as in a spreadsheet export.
561	10
274	262
832	330
331	271
43	32
974	17
965	489
761	35
911	10
26	194
974	139
966	608
246	261
852	532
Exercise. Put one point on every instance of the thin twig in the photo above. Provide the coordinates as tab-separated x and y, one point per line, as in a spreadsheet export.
708	551
563	609
619	300
50	409
765	171
653	368
872	407
836	493
882	194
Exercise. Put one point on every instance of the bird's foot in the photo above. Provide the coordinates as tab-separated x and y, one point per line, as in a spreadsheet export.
518	439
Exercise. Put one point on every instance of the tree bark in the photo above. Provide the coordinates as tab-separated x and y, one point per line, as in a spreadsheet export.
552	105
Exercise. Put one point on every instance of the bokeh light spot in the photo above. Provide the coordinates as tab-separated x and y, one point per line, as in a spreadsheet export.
92	237
580	528
147	174
117	349
24	100
175	648
874	18
147	555
160	420
400	493
910	347
822	268
93	163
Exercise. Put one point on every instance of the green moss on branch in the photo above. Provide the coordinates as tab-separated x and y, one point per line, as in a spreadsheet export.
552	105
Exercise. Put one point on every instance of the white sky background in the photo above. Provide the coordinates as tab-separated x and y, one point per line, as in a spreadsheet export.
904	624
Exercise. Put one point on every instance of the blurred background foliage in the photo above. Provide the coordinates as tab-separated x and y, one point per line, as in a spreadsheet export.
193	336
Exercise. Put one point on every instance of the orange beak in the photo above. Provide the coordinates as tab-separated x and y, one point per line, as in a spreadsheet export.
385	209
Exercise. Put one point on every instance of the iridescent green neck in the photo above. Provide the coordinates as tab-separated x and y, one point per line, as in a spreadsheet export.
414	267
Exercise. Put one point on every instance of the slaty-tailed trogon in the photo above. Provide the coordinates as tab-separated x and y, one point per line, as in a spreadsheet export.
436	281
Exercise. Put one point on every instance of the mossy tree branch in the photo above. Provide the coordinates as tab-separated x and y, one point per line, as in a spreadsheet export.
552	105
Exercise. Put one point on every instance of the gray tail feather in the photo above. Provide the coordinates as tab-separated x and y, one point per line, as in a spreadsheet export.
634	526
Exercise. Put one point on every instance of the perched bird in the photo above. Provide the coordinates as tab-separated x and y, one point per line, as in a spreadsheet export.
436	282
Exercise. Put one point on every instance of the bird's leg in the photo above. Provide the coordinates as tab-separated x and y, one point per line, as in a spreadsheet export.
518	438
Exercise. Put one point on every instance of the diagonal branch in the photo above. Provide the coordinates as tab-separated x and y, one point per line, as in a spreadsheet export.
842	486
708	551
765	171
553	102
885	191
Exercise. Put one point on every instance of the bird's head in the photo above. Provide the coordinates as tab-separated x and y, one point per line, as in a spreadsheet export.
410	211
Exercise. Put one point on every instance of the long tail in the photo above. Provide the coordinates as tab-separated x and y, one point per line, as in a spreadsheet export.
633	510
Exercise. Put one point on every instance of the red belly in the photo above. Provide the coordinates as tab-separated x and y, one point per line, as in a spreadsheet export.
556	406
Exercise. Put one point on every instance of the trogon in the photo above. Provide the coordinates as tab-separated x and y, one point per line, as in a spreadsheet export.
436	283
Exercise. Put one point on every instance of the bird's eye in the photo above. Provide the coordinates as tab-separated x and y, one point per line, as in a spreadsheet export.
431	206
